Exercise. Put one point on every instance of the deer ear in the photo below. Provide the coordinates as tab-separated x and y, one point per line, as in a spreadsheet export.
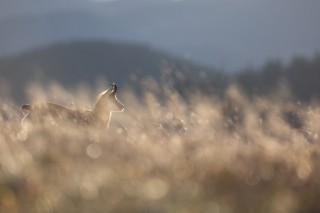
113	88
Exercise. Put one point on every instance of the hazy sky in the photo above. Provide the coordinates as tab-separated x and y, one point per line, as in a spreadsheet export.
226	33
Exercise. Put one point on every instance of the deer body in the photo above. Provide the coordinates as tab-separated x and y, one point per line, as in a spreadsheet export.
107	103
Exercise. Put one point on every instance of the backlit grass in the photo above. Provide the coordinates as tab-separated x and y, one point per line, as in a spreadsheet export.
201	153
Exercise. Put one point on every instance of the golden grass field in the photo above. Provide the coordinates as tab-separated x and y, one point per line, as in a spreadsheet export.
202	153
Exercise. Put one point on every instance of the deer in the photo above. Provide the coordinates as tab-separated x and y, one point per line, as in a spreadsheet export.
107	102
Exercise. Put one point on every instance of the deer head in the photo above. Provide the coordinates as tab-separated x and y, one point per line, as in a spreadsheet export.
107	102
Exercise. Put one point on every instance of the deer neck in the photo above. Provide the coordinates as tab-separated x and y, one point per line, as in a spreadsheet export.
101	112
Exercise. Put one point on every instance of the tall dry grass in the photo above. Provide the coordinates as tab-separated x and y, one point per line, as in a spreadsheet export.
170	154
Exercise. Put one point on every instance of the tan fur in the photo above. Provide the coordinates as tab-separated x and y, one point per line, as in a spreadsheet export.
99	115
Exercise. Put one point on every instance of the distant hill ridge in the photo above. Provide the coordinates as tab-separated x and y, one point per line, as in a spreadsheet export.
84	61
71	63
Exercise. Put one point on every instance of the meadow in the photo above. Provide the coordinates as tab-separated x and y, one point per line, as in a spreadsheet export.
164	153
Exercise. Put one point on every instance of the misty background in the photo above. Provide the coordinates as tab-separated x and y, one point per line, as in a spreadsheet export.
258	44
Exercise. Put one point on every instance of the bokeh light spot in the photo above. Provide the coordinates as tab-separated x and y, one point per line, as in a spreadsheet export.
155	189
94	150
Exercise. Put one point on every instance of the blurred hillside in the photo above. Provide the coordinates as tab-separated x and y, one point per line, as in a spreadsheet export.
89	62
86	62
301	77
